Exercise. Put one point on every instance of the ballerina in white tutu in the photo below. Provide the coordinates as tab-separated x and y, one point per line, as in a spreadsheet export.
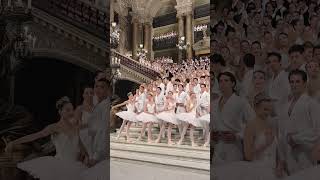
189	118
168	116
181	99
205	121
65	136
203	112
128	116
159	100
148	117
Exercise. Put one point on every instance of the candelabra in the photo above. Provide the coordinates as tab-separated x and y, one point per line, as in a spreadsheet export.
25	41
182	45
16	14
114	35
116	74
142	53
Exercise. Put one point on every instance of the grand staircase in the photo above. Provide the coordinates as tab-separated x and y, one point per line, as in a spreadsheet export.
133	69
184	157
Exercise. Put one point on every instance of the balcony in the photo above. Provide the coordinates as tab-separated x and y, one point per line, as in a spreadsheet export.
88	18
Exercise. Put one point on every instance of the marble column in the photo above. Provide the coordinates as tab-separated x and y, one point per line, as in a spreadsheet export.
123	36
189	34
181	33
135	31
148	38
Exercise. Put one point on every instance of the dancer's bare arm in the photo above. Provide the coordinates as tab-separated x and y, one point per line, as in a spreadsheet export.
50	129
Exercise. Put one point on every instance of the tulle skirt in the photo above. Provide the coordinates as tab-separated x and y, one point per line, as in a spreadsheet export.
144	117
167	117
205	118
189	118
97	172
52	168
127	115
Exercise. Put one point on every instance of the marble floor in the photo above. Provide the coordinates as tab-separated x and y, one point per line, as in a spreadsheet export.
122	170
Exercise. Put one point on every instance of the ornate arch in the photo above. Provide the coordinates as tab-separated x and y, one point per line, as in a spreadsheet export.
63	56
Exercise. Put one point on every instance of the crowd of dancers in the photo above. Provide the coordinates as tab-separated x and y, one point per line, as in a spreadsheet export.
79	138
179	99
266	94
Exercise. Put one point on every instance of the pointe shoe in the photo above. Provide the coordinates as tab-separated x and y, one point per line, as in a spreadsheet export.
170	143
206	145
179	143
157	141
128	140
150	141
194	145
139	139
118	137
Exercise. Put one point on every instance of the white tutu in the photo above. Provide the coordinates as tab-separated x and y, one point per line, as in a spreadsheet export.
167	117
52	168
127	115
97	172
144	117
189	118
205	118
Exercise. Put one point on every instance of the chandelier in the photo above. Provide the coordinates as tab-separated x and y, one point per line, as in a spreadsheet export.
115	66
17	14
24	43
182	45
114	35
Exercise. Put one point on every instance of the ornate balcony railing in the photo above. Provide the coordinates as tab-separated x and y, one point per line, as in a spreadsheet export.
135	66
166	43
79	14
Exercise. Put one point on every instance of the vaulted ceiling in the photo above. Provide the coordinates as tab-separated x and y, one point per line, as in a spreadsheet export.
167	6
157	7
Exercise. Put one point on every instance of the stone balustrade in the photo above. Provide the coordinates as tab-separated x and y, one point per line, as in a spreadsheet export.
135	66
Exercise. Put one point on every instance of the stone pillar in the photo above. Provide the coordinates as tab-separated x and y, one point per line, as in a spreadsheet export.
148	38
123	34
135	31
140	34
181	33
189	34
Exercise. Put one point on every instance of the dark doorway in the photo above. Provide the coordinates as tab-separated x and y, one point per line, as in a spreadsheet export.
123	87
41	82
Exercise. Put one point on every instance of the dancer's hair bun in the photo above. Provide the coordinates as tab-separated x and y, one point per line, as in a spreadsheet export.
61	102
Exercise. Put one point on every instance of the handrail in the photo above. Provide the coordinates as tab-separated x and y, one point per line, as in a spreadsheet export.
136	66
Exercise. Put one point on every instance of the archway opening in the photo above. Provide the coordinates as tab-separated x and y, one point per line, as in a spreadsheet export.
41	82
123	87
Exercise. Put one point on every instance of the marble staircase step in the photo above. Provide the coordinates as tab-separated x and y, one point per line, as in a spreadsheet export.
175	139
197	153
184	156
